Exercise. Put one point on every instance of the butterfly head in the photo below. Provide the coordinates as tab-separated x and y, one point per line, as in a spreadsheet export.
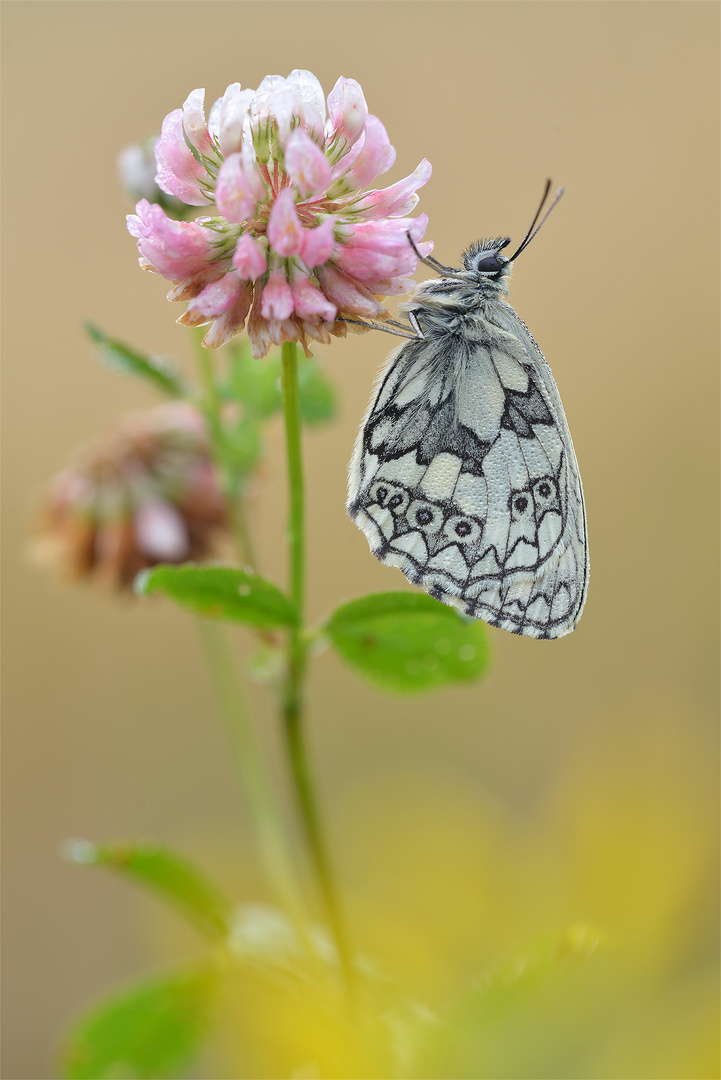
483	260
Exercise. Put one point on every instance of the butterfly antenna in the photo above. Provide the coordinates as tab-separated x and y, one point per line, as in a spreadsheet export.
430	261
534	228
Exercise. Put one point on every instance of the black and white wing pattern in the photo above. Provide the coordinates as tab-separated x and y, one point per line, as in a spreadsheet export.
464	474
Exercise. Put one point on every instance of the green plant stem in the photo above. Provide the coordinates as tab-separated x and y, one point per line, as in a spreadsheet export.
255	780
292	699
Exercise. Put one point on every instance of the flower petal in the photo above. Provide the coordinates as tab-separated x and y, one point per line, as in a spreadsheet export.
277	297
309	302
350	297
179	173
318	244
250	258
309	101
236	190
285	232
160	531
306	164
258	327
347	110
375	158
175	249
231	322
194	123
233	115
399	199
217	297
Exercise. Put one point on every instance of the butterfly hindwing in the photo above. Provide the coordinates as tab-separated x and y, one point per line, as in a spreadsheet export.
465	478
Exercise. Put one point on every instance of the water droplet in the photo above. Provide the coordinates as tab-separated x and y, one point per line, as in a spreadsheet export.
467	652
244	590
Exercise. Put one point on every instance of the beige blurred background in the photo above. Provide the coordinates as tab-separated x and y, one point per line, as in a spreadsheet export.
108	730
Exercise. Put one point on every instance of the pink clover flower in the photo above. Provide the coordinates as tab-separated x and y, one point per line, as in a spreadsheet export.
291	237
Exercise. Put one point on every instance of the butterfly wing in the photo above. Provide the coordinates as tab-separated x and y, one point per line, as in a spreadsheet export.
465	478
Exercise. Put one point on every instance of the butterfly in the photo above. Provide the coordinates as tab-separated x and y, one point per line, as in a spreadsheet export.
464	474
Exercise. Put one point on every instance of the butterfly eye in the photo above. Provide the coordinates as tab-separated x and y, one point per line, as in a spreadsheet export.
490	265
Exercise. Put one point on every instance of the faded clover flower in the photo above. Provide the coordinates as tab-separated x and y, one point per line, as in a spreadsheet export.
295	240
146	493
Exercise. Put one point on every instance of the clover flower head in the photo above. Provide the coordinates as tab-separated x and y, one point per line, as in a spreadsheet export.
295	240
147	493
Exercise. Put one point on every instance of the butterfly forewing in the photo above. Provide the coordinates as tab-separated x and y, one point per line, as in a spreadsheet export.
464	474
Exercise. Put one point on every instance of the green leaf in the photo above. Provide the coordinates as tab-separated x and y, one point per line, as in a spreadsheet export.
408	642
114	354
255	383
243	445
151	1030
220	592
171	876
317	394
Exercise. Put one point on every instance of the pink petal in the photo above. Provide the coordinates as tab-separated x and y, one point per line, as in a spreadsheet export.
398	199
347	110
160	531
309	302
250	258
235	190
277	297
388	236
285	231
194	122
376	155
319	243
231	322
350	297
306	164
218	297
365	263
175	249
179	173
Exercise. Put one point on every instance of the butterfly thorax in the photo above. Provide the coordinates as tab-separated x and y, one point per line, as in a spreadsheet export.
454	304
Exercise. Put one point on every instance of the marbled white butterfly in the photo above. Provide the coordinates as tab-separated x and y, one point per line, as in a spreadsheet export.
464	474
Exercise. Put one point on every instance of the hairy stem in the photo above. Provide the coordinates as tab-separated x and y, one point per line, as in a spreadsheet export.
292	699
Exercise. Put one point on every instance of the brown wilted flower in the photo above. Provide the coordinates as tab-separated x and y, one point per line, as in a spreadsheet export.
146	493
